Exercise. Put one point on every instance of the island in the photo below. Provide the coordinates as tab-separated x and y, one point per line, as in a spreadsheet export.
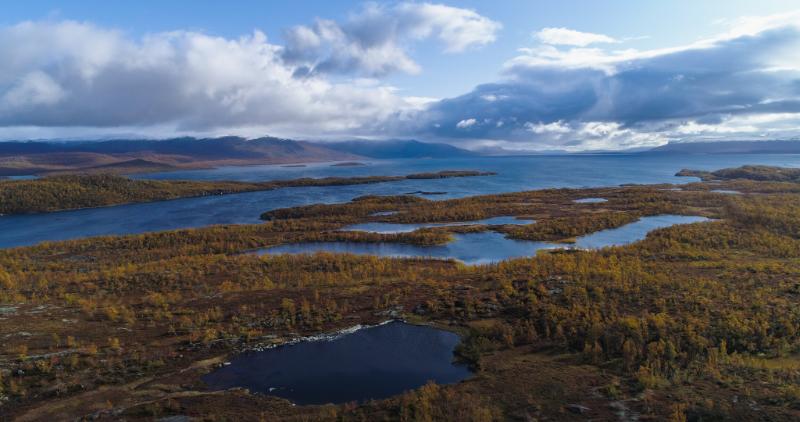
762	173
58	193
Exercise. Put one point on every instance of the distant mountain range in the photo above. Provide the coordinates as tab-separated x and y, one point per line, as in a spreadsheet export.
731	147
398	149
135	156
138	155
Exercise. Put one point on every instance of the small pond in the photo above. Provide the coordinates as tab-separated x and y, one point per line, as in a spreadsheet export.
382	213
590	200
488	247
632	232
371	363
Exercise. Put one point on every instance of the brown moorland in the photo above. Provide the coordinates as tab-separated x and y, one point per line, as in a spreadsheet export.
696	322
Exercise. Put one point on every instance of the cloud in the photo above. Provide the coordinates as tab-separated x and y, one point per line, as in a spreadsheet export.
554	127
72	74
466	123
68	78
564	36
374	41
732	86
34	88
68	75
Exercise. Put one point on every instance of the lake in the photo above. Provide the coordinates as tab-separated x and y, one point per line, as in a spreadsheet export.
488	247
514	174
371	363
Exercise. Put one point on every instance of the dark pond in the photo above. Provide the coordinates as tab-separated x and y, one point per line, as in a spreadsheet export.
372	363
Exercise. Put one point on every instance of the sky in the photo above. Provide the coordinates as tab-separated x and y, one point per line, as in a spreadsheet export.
504	75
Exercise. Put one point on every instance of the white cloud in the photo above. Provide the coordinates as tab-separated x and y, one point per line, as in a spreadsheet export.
35	88
578	55
420	102
493	97
573	58
552	127
374	41
564	36
599	129
457	28
466	123
67	74
59	74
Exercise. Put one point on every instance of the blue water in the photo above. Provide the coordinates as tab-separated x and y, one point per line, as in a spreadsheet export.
22	177
632	232
471	248
514	174
371	363
487	247
405	228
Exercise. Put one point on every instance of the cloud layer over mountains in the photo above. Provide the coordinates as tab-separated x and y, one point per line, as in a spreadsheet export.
743	83
567	89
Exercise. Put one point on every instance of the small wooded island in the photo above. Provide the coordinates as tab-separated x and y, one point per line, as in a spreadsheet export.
762	173
697	321
58	193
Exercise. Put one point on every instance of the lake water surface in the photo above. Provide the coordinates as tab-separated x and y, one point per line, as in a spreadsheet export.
371	363
590	200
514	174
488	247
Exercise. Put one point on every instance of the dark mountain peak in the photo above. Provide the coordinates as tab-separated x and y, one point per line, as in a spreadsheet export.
42	157
397	148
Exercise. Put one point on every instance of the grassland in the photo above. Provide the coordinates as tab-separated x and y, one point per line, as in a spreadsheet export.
696	322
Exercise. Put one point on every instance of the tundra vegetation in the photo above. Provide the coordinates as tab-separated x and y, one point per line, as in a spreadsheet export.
763	173
696	322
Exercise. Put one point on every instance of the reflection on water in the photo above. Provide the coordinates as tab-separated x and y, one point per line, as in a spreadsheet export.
405	228
470	248
372	363
488	247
